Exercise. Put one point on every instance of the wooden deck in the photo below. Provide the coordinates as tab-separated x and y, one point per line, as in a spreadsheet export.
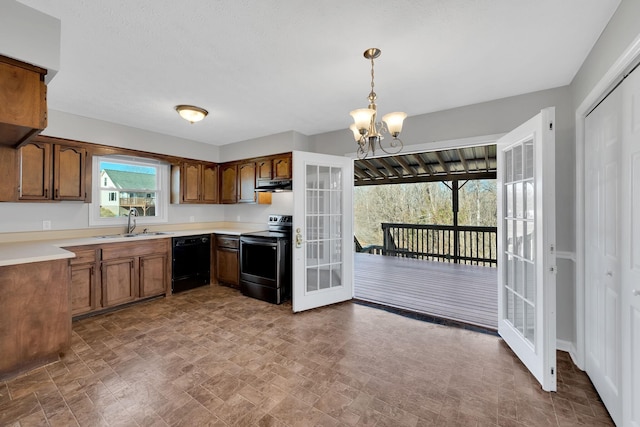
463	293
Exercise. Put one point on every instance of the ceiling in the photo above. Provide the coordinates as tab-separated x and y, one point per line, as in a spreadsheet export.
445	165
263	67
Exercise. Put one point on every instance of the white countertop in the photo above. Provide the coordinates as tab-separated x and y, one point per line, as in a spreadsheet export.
48	250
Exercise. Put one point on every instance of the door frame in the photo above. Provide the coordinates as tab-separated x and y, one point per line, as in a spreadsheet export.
608	81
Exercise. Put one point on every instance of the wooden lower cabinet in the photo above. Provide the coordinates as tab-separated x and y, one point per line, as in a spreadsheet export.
85	295
35	315
113	274
153	276
118	282
228	260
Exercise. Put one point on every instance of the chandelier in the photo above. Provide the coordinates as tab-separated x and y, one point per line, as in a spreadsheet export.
367	131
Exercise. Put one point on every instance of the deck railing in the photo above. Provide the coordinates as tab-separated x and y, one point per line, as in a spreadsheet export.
136	201
445	243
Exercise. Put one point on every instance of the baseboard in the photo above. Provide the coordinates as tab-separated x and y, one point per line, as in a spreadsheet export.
570	348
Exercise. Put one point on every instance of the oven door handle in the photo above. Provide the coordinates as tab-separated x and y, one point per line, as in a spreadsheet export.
260	242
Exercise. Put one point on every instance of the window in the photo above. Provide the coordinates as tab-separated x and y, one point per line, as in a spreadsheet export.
126	184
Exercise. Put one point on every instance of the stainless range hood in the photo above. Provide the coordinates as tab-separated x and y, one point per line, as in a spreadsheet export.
273	185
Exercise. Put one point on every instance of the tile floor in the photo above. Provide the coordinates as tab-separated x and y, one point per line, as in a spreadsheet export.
213	357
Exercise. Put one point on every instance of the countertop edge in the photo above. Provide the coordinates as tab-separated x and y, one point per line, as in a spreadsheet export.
50	250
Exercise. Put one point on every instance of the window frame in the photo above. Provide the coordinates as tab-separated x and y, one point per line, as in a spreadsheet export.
162	191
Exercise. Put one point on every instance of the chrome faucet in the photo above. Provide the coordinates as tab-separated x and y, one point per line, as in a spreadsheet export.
133	212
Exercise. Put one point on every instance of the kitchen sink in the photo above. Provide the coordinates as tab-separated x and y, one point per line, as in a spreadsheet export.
117	236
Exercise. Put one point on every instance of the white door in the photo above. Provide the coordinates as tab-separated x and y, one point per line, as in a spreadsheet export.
630	227
526	247
323	231
602	257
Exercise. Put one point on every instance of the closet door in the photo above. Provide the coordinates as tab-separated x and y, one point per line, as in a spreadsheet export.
602	251
630	265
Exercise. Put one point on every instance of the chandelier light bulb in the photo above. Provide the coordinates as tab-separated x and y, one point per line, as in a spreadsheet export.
394	122
362	118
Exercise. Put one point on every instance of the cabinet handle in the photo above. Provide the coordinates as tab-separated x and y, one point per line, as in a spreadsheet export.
56	196
46	193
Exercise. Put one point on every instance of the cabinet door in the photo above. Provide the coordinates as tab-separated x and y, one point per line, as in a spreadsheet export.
227	266
191	182
264	169
83	289
35	172
153	276
210	183
282	167
228	184
69	169
23	103
118	281
247	182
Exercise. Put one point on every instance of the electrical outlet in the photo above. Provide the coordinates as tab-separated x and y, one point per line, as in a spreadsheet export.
192	218
46	225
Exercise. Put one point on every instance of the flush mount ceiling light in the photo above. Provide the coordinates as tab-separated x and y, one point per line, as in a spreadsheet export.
191	113
366	131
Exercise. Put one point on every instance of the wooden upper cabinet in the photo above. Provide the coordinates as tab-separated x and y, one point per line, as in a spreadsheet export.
69	170
191	182
264	169
228	183
247	182
35	172
23	101
52	172
210	183
282	167
195	182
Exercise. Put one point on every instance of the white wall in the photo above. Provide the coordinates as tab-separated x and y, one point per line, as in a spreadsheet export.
71	126
272	144
30	36
621	30
281	203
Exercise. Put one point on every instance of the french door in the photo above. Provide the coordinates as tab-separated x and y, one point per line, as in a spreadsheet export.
526	247
322	229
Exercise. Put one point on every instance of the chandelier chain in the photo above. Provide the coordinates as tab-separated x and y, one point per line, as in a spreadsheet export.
372	94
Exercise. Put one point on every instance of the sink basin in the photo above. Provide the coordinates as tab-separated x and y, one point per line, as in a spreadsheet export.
117	236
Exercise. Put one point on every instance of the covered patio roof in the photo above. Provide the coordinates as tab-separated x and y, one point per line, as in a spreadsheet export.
443	165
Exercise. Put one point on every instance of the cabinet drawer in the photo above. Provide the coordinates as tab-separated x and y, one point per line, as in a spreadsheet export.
231	242
83	256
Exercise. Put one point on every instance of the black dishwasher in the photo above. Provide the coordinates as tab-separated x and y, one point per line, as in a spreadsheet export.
190	262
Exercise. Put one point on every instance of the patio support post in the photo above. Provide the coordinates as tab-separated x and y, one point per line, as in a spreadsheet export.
456	233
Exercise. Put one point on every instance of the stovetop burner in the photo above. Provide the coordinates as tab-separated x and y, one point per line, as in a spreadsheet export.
279	227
